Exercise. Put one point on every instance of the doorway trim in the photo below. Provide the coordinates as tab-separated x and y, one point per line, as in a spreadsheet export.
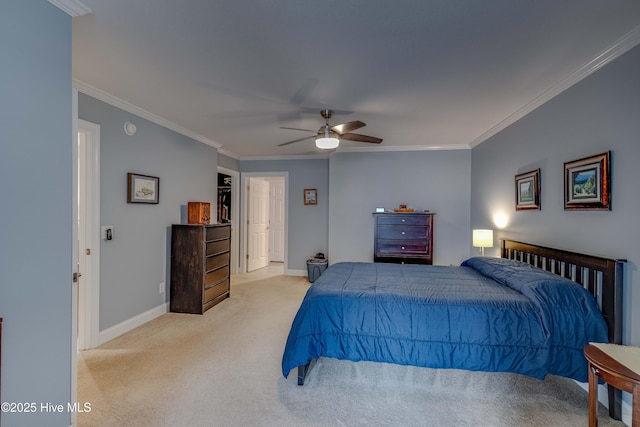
235	210
89	290
73	395
244	216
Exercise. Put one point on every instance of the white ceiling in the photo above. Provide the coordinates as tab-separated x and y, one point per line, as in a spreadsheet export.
419	73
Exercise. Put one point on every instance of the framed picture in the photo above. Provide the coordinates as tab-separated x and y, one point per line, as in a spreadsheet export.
310	196
528	190
587	183
142	188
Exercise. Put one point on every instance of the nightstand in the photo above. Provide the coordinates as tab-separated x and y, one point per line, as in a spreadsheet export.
618	366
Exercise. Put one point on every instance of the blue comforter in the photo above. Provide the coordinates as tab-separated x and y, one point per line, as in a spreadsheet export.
489	314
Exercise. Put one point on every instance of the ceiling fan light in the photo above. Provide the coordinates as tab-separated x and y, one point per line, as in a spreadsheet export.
327	143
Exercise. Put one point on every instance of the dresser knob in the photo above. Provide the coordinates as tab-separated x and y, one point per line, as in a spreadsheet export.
403	247
403	233
403	220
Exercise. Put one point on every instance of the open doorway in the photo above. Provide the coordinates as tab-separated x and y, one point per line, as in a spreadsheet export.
265	212
229	187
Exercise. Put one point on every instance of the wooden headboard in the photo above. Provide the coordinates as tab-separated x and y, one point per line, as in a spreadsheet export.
603	277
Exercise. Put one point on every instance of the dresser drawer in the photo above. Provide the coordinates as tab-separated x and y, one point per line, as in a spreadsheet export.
216	261
216	275
217	247
403	232
398	219
389	247
216	290
217	233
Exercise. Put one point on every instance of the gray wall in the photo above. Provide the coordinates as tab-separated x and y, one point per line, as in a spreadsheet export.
137	260
433	180
228	162
351	185
598	114
308	225
36	216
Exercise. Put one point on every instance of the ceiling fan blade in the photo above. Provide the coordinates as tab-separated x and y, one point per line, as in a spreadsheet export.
347	127
296	140
306	130
360	138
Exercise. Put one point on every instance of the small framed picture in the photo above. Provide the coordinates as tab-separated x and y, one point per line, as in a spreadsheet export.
310	196
586	183
143	188
528	190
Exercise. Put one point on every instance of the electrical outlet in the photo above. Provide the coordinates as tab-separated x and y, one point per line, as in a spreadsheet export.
161	290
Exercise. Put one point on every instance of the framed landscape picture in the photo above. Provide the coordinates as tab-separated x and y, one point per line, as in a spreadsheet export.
528	190
587	183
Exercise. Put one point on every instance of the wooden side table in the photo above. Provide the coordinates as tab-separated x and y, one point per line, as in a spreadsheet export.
618	366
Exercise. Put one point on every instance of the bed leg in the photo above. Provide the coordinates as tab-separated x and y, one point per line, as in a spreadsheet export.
302	372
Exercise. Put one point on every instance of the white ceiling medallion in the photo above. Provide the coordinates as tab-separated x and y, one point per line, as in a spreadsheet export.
129	128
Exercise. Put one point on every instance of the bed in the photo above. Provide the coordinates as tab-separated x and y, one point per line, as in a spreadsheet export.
522	313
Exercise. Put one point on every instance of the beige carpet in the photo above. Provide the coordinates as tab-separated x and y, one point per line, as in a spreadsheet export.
223	369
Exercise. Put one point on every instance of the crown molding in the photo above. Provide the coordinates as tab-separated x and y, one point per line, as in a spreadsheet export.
123	105
228	153
72	7
353	150
288	157
622	45
404	148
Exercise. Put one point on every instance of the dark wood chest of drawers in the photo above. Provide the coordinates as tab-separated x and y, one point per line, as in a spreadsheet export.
200	256
403	238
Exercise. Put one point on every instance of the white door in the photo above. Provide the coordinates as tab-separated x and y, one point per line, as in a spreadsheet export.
276	220
258	224
88	232
82	231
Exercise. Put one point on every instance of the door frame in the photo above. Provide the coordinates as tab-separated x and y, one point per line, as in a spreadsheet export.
73	395
89	290
244	216
235	214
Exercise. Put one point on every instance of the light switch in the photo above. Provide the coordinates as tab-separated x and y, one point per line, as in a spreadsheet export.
107	232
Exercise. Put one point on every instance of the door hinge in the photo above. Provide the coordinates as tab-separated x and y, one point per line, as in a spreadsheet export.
75	277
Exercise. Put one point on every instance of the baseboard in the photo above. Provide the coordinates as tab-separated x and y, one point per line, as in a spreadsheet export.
604	399
132	323
295	273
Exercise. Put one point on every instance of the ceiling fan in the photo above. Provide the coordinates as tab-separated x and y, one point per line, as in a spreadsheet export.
328	137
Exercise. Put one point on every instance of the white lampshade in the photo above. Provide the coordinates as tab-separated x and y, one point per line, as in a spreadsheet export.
327	143
483	238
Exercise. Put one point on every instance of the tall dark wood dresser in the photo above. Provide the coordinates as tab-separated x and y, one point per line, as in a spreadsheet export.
403	238
200	256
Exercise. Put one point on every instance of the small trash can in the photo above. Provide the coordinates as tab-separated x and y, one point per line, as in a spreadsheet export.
315	267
